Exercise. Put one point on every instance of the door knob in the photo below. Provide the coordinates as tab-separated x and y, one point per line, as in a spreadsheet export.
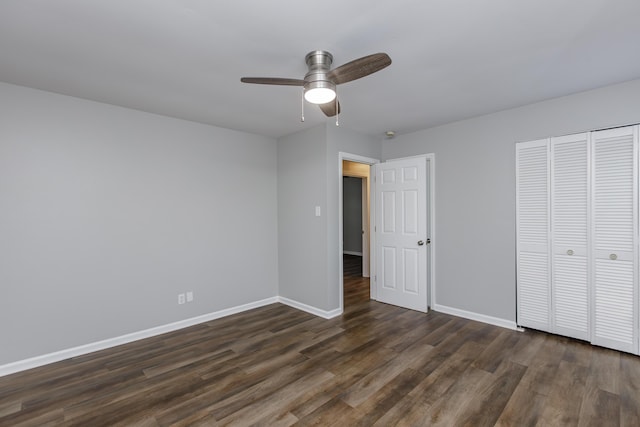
420	243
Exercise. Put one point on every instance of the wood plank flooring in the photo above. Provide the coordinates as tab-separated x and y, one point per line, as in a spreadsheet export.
376	365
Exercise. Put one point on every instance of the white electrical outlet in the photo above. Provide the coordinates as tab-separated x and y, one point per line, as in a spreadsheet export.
180	298
189	296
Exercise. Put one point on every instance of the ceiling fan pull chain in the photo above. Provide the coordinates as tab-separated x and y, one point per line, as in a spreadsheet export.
337	109
302	106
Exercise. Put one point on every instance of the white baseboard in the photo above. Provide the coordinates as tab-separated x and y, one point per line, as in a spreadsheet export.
309	309
503	323
46	359
352	253
57	356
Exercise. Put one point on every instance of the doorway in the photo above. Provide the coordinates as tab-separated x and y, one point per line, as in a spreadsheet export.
355	222
355	232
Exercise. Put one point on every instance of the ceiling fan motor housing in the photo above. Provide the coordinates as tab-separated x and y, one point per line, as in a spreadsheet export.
319	63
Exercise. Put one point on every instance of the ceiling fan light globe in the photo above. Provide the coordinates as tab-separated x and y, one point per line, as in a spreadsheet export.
320	95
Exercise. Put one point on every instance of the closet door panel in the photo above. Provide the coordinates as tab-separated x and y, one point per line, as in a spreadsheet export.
570	234
614	231
532	212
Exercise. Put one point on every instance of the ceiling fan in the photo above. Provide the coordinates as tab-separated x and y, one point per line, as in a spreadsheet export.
320	81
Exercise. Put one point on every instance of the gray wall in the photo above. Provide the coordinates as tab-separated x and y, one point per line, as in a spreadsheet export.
475	188
352	214
302	253
106	214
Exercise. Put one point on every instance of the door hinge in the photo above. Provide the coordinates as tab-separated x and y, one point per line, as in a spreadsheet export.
428	241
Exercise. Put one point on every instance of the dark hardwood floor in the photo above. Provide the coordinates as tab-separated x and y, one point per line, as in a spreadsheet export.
356	287
375	365
352	266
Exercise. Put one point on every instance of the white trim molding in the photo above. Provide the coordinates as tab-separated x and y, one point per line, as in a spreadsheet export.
431	185
310	309
496	321
34	362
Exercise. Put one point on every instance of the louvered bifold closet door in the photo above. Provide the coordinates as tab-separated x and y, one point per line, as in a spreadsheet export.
614	231
569	235
532	219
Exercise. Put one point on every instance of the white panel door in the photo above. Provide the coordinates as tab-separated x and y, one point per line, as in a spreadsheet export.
614	231
401	233
570	235
532	235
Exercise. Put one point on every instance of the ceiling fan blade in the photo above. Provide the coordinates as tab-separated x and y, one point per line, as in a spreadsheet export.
329	109
272	81
359	68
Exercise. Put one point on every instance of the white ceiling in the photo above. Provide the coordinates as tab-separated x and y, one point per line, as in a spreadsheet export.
452	59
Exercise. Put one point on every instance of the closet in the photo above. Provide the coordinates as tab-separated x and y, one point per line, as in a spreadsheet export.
577	236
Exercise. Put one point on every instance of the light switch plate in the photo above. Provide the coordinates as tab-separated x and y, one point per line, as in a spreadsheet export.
317	210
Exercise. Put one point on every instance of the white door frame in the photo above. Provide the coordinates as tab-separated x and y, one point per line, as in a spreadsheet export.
431	221
369	161
366	229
